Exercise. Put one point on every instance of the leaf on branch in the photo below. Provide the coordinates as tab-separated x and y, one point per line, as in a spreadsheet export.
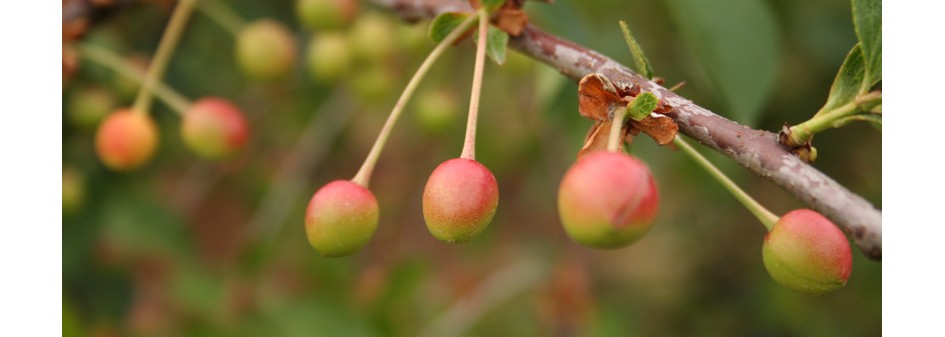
641	106
850	81
444	24
868	23
497	42
642	63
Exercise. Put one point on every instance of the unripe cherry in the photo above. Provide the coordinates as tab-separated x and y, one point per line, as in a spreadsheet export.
807	253
607	200
265	50
73	190
341	218
325	14
328	56
372	37
214	128
126	140
89	105
459	200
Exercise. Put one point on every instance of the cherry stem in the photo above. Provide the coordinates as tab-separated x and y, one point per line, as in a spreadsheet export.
763	214
223	15
469	145
164	51
616	126
107	58
363	176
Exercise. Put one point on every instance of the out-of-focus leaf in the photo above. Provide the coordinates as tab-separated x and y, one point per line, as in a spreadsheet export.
492	5
868	21
850	81
736	41
70	321
641	106
642	63
197	290
496	43
445	23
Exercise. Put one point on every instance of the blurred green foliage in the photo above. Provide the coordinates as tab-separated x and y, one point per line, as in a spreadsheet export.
186	247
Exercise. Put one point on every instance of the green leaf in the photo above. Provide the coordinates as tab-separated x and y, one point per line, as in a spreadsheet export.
868	22
496	43
492	5
850	81
641	106
736	42
444	24
643	65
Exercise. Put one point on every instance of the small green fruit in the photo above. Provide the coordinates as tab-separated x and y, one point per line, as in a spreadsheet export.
126	140
265	50
214	128
373	83
325	14
459	200
437	110
607	200
73	190
341	218
372	37
329	57
807	253
89	105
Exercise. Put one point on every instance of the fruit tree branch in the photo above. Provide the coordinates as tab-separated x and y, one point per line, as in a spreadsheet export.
757	150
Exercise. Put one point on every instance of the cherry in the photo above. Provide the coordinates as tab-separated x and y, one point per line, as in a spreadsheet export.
265	50
126	140
807	253
607	200
328	56
214	128
89	105
325	14
73	190
341	218
459	200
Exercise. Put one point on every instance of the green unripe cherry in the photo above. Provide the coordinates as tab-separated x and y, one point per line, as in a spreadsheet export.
459	200
437	110
341	218
372	37
325	14
328	56
265	50
73	190
89	105
607	200
807	253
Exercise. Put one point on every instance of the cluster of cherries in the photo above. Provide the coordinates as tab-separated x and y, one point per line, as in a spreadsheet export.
607	199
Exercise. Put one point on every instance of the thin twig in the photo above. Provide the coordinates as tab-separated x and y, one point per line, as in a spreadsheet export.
757	150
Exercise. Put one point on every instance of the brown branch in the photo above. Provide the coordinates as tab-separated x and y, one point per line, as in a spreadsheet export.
757	150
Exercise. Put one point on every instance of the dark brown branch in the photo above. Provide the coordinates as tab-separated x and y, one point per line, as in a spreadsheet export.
758	150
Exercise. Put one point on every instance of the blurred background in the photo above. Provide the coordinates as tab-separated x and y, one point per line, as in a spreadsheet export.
191	247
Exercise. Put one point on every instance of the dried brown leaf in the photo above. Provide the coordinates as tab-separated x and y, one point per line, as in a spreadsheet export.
661	128
511	20
597	97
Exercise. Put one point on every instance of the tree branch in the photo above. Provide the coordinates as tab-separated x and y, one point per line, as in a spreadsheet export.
757	150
